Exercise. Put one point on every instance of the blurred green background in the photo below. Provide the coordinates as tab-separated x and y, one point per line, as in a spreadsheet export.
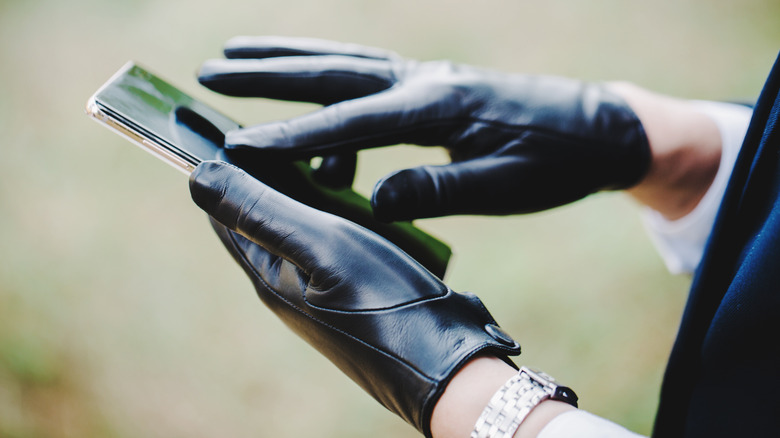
120	313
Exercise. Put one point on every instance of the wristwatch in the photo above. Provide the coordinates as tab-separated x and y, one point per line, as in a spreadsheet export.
515	400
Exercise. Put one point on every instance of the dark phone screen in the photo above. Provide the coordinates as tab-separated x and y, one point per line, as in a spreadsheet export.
192	130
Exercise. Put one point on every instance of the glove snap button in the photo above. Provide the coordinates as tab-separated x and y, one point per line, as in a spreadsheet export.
500	335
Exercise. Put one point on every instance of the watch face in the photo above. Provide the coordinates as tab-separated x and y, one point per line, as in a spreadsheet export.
565	394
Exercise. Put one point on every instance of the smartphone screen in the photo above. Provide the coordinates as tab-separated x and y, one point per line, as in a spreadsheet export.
160	118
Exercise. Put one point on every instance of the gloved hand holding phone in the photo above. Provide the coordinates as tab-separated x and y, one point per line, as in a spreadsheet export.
384	320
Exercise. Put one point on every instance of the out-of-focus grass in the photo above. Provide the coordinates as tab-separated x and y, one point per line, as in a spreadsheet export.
121	315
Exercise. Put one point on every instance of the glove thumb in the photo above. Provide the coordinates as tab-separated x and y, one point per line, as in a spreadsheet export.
420	192
495	185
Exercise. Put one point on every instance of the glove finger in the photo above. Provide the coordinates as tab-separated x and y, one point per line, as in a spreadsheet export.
336	171
277	46
493	186
254	210
316	79
396	116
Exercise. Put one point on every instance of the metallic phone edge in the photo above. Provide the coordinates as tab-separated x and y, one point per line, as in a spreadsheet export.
151	146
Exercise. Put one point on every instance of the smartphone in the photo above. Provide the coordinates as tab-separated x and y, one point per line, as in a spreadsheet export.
183	132
160	118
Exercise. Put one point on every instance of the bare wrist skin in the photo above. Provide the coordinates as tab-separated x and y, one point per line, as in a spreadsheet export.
470	391
685	146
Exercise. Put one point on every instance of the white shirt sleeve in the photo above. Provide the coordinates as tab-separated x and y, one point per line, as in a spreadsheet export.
583	424
680	242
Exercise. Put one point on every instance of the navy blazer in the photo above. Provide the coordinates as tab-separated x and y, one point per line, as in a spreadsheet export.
723	376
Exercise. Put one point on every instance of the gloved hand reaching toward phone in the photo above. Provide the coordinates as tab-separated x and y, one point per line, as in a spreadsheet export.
518	143
383	319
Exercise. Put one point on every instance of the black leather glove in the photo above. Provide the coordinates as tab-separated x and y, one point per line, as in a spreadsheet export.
518	143
378	315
